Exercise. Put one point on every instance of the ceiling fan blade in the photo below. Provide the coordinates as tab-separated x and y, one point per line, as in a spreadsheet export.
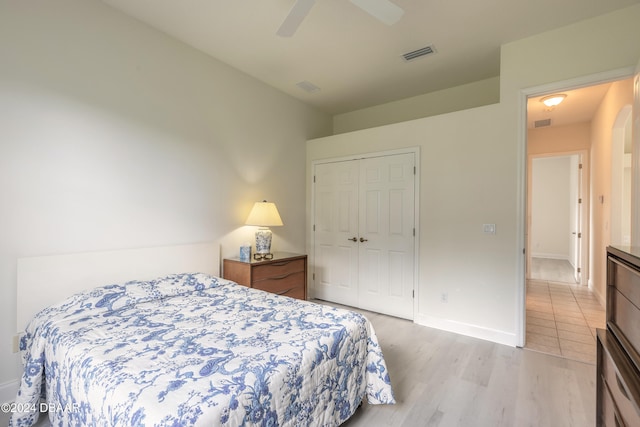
383	10
295	17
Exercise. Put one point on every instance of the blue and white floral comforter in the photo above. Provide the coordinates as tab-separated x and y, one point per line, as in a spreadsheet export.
193	349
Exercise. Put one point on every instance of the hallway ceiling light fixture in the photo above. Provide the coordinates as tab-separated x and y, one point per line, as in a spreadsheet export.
553	100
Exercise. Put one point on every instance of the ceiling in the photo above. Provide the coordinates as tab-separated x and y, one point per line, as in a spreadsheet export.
354	59
579	106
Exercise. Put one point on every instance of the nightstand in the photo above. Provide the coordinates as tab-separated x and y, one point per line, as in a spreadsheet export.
285	274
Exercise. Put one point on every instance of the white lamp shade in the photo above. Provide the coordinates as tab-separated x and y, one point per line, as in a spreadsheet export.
264	214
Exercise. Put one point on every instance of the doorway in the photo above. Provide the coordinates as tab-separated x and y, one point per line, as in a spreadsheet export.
592	138
560	309
555	211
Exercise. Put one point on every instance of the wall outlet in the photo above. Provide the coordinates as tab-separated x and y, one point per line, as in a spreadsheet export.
16	343
444	297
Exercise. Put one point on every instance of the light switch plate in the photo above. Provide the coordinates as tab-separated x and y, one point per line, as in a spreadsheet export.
489	228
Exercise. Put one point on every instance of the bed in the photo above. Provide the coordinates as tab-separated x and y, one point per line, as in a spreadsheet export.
195	349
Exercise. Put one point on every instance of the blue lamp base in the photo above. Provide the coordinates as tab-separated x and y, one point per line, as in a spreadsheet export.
263	241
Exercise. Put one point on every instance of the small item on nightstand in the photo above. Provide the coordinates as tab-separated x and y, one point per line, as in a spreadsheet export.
245	252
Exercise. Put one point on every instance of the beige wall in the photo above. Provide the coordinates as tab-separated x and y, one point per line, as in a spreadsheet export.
559	139
113	135
476	94
619	95
473	172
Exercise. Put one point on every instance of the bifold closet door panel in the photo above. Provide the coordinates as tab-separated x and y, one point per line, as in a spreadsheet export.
386	224
336	232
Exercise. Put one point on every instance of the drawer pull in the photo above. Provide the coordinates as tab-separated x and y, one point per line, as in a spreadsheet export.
622	388
280	264
286	291
284	276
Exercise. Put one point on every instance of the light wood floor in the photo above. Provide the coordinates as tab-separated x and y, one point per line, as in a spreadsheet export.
441	379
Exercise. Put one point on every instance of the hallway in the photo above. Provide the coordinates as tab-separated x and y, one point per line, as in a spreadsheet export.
562	319
552	270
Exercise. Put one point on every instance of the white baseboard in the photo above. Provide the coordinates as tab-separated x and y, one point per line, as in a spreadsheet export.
8	391
563	257
488	334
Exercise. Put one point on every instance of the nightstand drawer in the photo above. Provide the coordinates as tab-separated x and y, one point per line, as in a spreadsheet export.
283	285
285	274
277	269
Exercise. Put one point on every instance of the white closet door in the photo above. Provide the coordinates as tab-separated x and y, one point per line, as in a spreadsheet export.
364	212
386	228
336	228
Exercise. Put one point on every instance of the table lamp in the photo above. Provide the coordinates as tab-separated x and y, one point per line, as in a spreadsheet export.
264	214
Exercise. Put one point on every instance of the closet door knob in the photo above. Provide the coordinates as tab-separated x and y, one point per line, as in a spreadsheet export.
362	239
353	239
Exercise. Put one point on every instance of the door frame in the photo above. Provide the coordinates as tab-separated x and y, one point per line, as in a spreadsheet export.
617	175
521	181
416	189
584	189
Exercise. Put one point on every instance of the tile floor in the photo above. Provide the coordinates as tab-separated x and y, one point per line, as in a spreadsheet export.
562	319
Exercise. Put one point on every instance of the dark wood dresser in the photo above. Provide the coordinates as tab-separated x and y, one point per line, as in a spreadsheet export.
618	359
285	274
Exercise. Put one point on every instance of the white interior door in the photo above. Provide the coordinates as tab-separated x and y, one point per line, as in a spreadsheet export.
386	237
336	232
364	220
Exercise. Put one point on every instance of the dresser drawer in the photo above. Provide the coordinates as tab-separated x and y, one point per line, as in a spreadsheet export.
624	278
623	300
291	284
277	269
621	382
624	322
609	416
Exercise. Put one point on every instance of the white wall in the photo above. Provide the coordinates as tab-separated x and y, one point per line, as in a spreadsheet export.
462	186
476	94
550	209
113	135
473	172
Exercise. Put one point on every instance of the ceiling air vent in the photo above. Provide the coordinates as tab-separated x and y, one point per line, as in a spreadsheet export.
419	53
308	86
542	123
